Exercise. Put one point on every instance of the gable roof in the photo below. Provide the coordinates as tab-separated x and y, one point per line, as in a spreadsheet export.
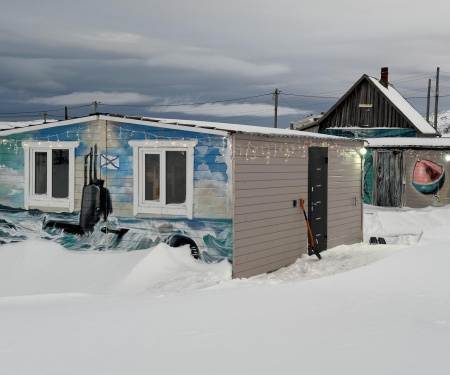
390	93
191	125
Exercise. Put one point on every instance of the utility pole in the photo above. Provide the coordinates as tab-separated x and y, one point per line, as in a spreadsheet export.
436	100
45	117
96	106
66	113
275	119
428	100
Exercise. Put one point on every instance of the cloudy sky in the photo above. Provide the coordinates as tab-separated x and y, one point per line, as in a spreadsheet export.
214	60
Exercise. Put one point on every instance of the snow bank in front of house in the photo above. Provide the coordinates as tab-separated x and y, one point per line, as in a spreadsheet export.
44	267
389	317
408	226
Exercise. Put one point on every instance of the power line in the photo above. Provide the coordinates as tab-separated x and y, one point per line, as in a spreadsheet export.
289	104
313	96
135	105
414	78
184	104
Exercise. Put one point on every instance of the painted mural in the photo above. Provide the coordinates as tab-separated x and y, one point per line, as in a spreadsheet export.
103	217
412	178
428	177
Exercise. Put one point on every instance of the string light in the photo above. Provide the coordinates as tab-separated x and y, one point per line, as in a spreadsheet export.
267	151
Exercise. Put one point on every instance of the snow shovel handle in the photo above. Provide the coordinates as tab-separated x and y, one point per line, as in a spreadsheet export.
311	237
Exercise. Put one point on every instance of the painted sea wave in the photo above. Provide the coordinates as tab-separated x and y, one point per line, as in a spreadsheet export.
213	237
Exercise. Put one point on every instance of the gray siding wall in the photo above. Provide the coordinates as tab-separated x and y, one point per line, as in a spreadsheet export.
345	202
269	232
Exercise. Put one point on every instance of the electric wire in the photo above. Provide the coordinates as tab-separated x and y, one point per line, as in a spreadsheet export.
184	104
444	78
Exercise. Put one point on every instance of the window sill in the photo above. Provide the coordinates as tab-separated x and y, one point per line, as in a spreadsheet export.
48	202
175	210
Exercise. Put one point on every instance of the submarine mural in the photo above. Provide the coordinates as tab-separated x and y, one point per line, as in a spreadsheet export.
95	203
96	206
103	218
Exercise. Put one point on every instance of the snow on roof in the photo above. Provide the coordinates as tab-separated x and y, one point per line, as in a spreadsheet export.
408	142
234	128
407	109
305	122
249	129
20	124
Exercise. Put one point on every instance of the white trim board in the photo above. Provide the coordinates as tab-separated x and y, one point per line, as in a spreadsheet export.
33	201
143	147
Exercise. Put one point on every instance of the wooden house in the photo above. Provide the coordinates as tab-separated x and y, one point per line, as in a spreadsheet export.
110	182
373	108
407	172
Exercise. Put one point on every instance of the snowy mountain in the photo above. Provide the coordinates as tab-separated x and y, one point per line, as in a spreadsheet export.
443	122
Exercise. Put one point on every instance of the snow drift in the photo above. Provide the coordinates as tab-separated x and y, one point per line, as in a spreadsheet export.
366	309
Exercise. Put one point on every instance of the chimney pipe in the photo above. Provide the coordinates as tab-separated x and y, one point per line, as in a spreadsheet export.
384	80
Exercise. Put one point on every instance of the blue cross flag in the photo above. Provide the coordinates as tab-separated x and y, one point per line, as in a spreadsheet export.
109	161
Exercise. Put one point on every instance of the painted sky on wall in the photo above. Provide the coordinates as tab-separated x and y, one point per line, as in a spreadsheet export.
148	57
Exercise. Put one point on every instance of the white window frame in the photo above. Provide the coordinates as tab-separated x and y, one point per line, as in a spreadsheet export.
143	147
32	200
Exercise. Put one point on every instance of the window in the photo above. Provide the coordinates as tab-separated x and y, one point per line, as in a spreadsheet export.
49	174
163	177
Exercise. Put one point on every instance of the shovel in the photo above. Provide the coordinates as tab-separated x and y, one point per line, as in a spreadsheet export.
311	237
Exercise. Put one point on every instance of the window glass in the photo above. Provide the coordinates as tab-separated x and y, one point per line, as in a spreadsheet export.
175	177
151	181
50	180
163	177
60	173
40	173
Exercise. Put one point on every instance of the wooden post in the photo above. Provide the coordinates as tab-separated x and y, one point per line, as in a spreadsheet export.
436	100
428	100
275	119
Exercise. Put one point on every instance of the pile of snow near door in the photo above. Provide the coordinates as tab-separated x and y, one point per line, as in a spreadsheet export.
362	309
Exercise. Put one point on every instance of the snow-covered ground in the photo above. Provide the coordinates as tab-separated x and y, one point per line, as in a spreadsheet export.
362	309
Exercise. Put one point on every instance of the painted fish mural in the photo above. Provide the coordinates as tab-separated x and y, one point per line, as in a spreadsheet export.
428	177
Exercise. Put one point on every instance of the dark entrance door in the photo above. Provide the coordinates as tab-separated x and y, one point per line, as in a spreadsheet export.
318	195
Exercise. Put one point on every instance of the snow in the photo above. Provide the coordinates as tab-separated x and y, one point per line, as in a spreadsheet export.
443	122
406	108
12	127
362	309
7	125
443	142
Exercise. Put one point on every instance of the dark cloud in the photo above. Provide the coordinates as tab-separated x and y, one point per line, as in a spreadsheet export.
143	54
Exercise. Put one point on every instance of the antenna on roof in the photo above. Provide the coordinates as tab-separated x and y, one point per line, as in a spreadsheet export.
96	103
